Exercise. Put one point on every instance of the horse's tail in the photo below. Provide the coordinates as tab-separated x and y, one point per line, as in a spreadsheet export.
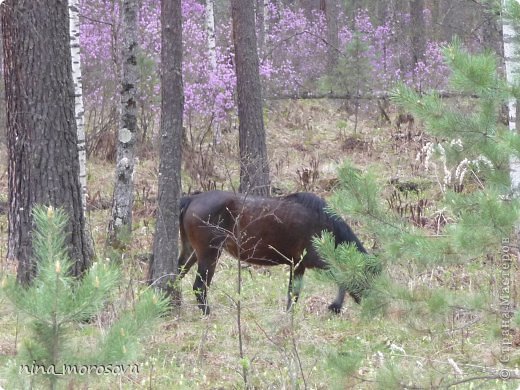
186	248
183	205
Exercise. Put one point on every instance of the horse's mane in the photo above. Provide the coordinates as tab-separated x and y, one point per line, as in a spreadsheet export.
341	230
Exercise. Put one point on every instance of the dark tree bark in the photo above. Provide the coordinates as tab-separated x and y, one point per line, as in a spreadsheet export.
164	266
332	9
418	33
451	21
254	168
42	139
435	11
382	11
352	8
123	200
491	32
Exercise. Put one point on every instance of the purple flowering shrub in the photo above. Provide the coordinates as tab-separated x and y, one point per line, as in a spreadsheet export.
292	61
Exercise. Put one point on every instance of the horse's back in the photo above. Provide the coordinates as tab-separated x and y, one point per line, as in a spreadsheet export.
260	230
205	207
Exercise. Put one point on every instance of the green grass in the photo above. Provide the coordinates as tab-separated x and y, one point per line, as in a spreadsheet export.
192	351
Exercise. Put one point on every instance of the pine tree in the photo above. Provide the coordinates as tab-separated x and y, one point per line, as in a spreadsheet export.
56	302
351	73
470	165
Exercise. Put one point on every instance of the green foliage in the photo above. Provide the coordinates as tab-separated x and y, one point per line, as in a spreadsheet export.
349	268
474	73
475	143
484	218
348	358
512	10
121	343
516	318
473	154
56	303
379	298
390	377
352	72
476	147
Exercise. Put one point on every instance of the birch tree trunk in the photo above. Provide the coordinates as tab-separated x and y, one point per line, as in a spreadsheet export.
164	265
210	31
261	6
121	223
254	167
512	62
79	109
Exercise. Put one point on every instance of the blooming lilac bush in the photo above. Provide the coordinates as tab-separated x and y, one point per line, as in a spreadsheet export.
292	61
294	53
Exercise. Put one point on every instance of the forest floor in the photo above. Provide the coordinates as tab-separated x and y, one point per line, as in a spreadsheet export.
307	142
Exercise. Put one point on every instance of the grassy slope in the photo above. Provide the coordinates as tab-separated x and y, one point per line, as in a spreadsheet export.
196	352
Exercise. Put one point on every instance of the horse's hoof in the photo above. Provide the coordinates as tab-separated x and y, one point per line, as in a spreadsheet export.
335	308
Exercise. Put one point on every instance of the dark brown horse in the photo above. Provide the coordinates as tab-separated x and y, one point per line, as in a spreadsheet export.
263	231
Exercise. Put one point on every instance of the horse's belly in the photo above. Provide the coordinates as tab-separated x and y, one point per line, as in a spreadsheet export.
262	262
257	254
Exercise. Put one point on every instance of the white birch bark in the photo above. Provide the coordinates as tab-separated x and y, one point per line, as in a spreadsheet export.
79	110
261	7
124	185
210	30
512	63
212	52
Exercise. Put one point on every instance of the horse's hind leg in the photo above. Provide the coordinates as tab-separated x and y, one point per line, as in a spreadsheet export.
295	285
187	257
186	261
206	269
337	304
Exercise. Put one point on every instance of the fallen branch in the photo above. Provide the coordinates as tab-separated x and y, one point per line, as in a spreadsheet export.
349	96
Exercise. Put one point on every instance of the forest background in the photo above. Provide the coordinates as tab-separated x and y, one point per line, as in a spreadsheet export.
329	70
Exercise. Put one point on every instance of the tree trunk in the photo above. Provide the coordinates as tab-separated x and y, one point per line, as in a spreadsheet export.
121	223
448	20
512	62
331	16
418	33
164	266
435	19
352	8
382	12
210	30
490	29
42	138
254	168
79	109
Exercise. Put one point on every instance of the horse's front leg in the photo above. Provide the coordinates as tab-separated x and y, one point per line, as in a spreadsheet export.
295	284
336	306
340	298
